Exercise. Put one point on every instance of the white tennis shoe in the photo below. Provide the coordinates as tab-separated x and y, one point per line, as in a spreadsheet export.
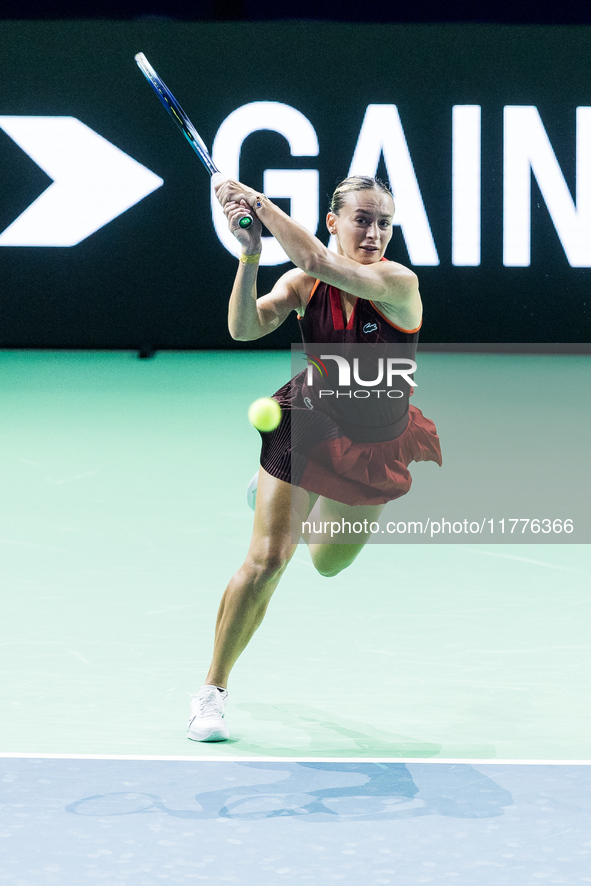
251	492
206	721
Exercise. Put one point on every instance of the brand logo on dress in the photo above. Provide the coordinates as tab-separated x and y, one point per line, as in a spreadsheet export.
370	327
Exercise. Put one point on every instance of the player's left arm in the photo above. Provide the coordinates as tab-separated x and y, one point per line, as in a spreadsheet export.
390	284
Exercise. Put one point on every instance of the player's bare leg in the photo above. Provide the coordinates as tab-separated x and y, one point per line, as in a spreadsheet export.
247	595
331	553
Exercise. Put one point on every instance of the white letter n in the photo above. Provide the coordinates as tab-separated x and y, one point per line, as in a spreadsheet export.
528	150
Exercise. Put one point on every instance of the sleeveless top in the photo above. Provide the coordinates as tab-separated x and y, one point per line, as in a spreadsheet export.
367	410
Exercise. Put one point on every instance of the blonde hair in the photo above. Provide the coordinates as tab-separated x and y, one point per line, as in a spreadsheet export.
356	183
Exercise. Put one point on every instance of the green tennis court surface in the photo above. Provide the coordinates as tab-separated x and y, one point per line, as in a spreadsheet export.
123	516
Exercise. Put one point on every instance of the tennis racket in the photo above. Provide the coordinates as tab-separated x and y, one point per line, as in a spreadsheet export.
184	124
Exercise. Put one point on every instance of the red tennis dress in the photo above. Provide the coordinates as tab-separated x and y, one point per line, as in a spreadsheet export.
317	447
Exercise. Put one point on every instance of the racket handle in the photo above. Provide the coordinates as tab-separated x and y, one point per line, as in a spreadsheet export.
217	179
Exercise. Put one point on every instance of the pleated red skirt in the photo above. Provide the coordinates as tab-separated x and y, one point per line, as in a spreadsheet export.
308	449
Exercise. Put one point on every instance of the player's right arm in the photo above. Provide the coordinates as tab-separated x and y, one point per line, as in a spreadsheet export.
250	317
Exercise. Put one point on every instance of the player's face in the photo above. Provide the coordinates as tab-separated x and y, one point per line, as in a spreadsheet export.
363	226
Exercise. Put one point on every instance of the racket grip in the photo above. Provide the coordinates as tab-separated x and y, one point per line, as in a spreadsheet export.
217	179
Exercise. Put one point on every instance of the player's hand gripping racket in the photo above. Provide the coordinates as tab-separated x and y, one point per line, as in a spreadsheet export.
184	124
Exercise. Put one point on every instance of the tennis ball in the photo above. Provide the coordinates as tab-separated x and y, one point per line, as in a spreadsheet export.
264	414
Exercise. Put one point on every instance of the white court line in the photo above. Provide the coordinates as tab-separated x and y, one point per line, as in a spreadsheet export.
525	560
494	761
172	609
62	480
30	544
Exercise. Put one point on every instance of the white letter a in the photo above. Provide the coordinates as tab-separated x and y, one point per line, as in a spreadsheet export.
381	132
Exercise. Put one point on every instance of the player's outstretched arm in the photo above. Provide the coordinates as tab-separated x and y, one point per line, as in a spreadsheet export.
250	317
388	283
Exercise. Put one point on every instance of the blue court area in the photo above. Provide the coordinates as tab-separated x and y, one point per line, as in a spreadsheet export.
260	823
123	517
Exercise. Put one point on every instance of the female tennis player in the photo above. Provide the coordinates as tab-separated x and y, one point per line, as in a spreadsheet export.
347	296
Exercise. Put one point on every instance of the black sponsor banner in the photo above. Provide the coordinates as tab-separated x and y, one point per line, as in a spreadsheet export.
106	231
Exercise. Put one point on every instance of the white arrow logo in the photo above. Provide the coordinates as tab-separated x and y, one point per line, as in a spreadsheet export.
93	181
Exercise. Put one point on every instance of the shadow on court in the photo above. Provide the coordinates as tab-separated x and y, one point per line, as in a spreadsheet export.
326	734
383	791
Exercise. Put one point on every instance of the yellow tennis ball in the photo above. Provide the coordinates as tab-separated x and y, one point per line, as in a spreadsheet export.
264	414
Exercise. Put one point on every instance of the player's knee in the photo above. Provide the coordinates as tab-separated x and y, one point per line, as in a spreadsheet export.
266	566
328	568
